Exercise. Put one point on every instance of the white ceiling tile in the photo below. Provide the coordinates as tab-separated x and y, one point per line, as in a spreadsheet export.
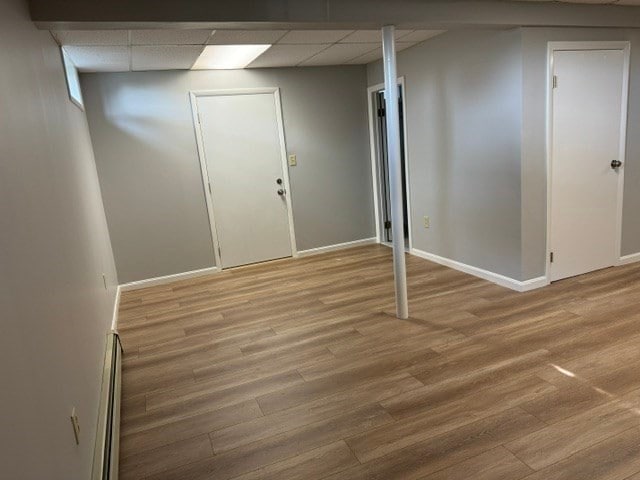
314	36
339	54
177	49
246	37
420	35
376	54
165	57
370	36
286	55
99	58
92	37
170	37
228	57
367	57
401	45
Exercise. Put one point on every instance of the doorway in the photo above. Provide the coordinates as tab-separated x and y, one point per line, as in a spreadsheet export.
380	164
243	159
588	104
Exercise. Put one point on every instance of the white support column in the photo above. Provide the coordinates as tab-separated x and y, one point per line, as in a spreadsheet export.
395	168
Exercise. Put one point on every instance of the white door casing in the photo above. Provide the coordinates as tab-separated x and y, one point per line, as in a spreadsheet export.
242	152
375	155
588	122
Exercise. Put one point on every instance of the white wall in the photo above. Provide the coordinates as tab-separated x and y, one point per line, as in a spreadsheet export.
54	247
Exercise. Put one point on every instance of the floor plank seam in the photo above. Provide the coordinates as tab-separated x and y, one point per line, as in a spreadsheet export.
479	330
520	459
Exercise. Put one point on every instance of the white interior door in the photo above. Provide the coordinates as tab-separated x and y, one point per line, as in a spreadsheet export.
244	159
587	120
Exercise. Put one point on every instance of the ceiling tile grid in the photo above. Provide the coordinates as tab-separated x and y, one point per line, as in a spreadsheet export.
165	57
178	49
92	37
339	54
419	35
246	37
370	36
100	58
286	55
367	57
170	37
314	36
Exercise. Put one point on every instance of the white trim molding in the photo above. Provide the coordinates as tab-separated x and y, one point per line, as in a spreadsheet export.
502	280
375	171
337	246
627	259
152	282
116	309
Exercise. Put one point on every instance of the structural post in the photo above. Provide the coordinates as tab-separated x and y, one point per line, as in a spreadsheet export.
395	168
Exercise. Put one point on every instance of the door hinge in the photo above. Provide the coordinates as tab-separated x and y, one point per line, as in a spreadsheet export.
555	81
210	192
219	252
381	112
387	224
199	119
551	257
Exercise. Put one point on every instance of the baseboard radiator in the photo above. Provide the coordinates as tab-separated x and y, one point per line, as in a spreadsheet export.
105	459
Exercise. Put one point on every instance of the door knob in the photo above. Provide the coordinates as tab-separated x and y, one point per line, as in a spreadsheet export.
279	181
281	192
616	164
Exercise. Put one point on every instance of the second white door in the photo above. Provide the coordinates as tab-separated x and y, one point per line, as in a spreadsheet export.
244	157
586	139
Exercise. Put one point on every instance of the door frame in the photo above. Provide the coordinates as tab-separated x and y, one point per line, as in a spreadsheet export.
275	91
374	159
553	47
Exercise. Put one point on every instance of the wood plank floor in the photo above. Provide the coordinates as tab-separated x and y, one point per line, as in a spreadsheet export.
297	369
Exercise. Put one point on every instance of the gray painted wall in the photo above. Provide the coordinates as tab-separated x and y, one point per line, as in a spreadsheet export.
148	165
54	247
534	189
464	111
477	138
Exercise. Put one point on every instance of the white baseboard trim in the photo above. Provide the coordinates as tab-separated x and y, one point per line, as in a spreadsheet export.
152	282
338	246
502	280
627	259
116	308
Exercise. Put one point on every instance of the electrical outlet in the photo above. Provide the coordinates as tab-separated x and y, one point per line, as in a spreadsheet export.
75	423
293	160
427	222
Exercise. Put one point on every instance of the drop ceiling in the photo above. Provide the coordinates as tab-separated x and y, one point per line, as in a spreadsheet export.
175	49
591	2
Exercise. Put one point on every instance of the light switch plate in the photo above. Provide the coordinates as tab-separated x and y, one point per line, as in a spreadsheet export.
293	160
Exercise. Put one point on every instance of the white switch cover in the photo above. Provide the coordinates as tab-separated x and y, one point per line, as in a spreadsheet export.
293	160
427	222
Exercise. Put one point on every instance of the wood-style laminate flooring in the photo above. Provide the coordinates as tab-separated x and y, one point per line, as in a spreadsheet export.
298	369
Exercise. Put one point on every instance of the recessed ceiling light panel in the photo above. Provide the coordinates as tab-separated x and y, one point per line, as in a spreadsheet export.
226	57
